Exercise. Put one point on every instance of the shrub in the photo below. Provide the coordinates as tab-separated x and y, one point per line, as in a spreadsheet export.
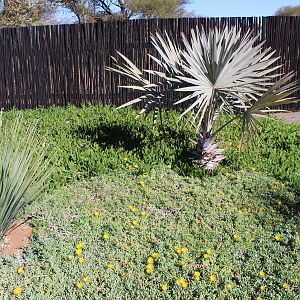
276	151
97	140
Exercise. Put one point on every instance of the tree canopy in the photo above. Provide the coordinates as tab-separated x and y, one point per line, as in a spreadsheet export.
37	12
89	10
289	11
23	13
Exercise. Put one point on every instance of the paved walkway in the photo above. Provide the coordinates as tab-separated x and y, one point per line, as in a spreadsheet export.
290	117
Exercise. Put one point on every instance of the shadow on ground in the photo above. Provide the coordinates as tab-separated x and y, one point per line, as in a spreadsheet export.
142	141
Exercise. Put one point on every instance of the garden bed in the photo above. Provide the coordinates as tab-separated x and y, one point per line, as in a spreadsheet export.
233	236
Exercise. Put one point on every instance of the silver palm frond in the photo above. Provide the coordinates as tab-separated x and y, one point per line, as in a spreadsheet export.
277	95
151	98
223	69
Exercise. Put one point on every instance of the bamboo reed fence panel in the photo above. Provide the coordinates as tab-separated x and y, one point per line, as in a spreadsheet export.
65	64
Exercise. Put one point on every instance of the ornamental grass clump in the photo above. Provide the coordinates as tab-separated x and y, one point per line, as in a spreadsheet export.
220	72
23	169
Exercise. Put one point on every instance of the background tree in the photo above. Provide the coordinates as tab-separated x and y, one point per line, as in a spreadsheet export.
82	9
289	11
91	10
158	8
23	12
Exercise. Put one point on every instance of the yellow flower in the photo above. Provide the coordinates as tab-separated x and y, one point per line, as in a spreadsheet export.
135	166
209	251
285	286
125	158
197	276
240	212
133	209
277	182
242	171
182	263
142	183
81	260
79	285
150	260
105	236
206	256
182	282
259	298
277	237
198	222
164	287
17	291
212	278
169	166
86	279
279	202
96	213
253	169
80	246
184	250
235	236
229	286
271	276
143	213
184	285
110	266
262	274
178	250
78	252
155	255
150	266
263	288
135	222
282	184
70	257
20	270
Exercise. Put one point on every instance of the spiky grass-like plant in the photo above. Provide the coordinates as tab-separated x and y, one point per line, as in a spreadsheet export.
24	170
220	72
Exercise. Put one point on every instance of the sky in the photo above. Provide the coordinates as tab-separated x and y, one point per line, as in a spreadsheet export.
219	8
238	8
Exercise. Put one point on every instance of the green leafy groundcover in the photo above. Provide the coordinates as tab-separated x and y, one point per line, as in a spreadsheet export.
91	141
235	236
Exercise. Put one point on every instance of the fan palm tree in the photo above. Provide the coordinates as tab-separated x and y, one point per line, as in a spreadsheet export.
220	72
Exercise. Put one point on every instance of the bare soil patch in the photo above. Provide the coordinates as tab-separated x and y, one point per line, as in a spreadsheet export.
16	239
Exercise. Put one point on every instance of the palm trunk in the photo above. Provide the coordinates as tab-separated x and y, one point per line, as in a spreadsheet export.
207	154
